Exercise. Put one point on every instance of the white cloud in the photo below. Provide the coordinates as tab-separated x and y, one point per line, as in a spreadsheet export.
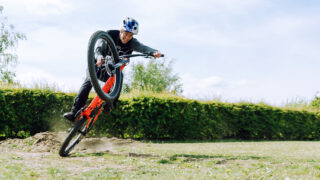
32	77
38	7
192	21
55	56
239	83
208	87
281	28
174	7
53	43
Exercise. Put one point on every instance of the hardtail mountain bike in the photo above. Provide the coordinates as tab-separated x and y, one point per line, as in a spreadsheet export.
107	91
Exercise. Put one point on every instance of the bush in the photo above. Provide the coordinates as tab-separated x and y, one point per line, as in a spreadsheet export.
151	117
26	112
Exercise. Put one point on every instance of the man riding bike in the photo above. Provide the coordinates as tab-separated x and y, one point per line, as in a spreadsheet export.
126	44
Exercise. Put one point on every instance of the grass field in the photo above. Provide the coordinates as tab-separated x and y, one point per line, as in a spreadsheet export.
125	159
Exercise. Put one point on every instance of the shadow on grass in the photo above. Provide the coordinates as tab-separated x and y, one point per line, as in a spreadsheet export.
182	158
177	158
207	141
100	154
221	159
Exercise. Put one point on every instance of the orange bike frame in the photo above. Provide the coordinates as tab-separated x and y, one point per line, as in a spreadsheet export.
97	101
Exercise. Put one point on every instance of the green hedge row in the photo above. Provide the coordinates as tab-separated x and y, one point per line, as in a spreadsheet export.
175	118
24	112
159	117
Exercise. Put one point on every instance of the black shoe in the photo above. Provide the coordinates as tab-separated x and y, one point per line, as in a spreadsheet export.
107	109
70	116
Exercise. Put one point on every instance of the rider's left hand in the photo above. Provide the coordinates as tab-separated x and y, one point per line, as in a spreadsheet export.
100	60
157	54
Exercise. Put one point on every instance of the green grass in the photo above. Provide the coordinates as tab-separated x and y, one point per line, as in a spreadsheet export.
208	160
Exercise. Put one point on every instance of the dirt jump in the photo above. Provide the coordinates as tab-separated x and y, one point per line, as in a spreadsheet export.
51	142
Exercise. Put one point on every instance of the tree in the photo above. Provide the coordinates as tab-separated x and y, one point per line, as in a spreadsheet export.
315	103
155	76
8	41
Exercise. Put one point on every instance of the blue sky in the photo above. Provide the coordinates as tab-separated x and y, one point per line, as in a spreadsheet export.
252	50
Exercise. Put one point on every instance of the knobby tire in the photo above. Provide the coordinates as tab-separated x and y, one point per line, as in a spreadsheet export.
108	97
67	145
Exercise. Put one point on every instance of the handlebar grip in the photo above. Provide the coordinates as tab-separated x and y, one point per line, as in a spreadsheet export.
151	54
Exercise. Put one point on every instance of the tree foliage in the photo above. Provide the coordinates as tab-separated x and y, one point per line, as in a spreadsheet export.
155	76
315	103
8	41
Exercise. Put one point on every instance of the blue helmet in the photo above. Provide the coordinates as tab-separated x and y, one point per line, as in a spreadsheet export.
131	25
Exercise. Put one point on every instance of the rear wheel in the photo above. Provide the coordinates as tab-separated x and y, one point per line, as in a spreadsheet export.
98	74
74	137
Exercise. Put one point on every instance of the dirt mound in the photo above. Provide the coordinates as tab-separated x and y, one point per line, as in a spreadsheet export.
40	142
51	142
46	141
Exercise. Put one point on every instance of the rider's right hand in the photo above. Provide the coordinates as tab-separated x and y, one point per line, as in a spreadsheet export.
157	54
100	60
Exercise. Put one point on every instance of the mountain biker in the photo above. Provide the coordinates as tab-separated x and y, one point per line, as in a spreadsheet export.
125	44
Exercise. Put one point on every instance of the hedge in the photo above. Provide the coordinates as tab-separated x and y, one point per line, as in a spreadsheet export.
176	118
160	117
24	112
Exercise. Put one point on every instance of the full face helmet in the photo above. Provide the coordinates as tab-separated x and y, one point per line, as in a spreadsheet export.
131	25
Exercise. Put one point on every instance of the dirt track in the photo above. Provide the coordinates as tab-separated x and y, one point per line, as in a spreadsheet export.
41	152
51	142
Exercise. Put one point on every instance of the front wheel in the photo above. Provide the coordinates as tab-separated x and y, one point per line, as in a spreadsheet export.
74	137
101	40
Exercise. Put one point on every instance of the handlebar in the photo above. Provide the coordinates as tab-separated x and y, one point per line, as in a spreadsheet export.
146	55
123	61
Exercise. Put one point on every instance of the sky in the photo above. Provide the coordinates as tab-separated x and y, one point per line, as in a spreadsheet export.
233	50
